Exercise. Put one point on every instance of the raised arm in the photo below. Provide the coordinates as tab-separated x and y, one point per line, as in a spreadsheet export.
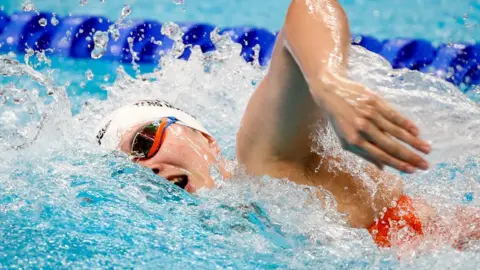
307	84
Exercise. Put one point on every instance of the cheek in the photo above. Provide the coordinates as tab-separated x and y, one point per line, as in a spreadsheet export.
176	154
185	153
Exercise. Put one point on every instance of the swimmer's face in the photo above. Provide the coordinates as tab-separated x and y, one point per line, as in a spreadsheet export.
184	158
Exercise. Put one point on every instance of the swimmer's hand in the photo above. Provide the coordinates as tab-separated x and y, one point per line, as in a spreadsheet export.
367	126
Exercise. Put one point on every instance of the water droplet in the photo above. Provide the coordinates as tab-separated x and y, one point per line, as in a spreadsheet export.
115	33
83	2
89	74
43	22
28	53
157	42
54	21
178	49
42	57
2	8
178	2
28	6
172	30
82	85
106	78
126	10
100	40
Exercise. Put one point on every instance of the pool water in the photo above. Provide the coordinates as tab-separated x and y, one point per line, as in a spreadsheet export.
434	20
65	203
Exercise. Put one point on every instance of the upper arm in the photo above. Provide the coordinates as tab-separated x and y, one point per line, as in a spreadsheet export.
280	116
282	113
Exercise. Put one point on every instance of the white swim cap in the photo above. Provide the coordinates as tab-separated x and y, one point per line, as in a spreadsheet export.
113	127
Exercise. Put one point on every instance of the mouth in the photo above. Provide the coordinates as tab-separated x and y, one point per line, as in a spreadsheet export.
181	181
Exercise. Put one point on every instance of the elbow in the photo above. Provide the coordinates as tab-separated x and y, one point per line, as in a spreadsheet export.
305	13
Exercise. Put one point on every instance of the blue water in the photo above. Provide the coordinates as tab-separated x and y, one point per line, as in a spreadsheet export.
66	204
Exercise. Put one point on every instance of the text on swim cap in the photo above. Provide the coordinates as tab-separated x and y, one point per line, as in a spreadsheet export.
102	131
158	103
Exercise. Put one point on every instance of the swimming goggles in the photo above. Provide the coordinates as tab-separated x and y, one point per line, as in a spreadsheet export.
148	140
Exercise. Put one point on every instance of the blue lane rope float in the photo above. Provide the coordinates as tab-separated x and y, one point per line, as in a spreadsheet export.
73	37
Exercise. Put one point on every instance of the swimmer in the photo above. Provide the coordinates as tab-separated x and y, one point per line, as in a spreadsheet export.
306	85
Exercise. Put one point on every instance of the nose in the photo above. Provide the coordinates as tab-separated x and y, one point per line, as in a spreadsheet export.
164	171
178	179
158	168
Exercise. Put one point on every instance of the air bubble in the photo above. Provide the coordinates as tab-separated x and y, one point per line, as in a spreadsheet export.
178	2
83	2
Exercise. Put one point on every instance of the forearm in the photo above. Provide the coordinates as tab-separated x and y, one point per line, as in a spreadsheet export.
317	35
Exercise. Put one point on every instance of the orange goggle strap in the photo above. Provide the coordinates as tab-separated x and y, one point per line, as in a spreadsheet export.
159	138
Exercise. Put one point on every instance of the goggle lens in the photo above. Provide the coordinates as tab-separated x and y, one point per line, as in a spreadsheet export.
146	142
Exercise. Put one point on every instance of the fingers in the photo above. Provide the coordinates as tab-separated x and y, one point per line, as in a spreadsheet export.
394	130
362	153
383	157
394	154
396	118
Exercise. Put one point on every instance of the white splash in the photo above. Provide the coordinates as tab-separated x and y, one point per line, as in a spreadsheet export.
67	167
